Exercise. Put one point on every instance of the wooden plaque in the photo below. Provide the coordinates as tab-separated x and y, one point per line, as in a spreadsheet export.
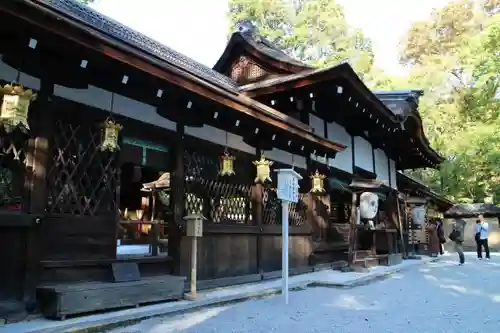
125	271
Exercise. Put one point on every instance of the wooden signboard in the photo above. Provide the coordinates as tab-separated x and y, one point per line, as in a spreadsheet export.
125	271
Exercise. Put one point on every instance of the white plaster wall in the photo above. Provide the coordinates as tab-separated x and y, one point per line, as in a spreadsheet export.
218	136
363	154
9	74
343	160
318	125
392	165
282	156
382	166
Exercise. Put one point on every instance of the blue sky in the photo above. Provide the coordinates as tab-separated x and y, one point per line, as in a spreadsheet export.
198	28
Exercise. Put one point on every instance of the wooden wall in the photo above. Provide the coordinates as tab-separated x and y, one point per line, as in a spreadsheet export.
245	252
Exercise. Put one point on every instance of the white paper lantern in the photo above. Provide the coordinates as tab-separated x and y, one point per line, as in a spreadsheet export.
368	205
418	215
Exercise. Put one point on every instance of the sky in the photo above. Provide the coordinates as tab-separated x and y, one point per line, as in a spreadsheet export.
199	28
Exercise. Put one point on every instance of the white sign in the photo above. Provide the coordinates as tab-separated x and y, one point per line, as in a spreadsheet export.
288	185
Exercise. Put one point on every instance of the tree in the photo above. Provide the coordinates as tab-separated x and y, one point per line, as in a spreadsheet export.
314	31
441	35
85	2
455	57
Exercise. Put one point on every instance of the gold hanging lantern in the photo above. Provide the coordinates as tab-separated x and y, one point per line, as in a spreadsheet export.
226	164
110	139
263	170
317	183
15	107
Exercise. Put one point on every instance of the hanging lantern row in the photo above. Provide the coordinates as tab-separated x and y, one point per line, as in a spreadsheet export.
16	101
110	136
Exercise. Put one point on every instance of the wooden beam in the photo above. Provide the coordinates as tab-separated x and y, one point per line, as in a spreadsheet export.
94	40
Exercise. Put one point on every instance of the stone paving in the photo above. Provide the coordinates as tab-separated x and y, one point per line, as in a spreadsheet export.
437	297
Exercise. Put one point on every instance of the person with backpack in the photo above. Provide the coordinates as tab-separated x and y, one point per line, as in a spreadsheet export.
442	238
481	238
456	236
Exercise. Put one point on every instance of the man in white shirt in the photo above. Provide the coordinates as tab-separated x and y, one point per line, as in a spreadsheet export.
482	238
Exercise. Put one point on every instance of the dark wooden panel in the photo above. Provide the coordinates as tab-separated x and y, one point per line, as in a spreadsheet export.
57	301
12	253
300	250
221	256
214	229
67	237
73	271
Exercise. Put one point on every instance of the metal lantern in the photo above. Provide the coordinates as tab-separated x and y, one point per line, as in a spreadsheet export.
226	164
317	183
15	106
263	170
111	132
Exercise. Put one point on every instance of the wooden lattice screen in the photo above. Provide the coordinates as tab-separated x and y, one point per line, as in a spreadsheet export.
220	199
12	170
82	179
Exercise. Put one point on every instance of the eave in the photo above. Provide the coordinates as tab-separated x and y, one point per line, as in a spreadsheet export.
344	71
407	183
90	37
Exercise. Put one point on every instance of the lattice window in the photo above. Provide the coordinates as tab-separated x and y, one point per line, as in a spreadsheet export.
220	199
82	179
12	167
347	212
245	70
272	209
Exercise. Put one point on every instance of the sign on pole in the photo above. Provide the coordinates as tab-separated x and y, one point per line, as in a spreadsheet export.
288	191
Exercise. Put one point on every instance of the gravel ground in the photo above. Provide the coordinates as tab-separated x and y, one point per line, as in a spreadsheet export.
438	297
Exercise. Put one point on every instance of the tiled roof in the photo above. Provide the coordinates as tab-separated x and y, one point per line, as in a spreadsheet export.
114	29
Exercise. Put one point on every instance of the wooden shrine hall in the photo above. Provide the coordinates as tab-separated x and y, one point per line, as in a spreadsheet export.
110	139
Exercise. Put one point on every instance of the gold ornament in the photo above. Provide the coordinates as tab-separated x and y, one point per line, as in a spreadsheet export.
317	181
263	170
111	132
15	106
226	165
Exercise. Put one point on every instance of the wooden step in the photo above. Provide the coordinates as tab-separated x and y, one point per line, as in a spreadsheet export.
367	262
58	301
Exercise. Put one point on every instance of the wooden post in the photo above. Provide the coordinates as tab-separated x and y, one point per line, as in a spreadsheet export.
177	200
352	230
400	226
39	160
257	198
194	229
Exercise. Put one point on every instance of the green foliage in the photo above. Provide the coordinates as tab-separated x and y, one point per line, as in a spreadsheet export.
455	57
86	2
314	31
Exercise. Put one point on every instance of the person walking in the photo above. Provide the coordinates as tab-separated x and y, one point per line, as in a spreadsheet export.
442	238
433	246
481	238
456	236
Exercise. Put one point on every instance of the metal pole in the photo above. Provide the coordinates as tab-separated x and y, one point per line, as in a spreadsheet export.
194	242
284	249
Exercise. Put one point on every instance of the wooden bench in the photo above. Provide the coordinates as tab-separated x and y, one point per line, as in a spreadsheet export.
58	301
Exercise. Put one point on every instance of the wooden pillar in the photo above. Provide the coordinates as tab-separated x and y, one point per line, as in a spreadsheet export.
38	160
177	200
257	200
352	231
